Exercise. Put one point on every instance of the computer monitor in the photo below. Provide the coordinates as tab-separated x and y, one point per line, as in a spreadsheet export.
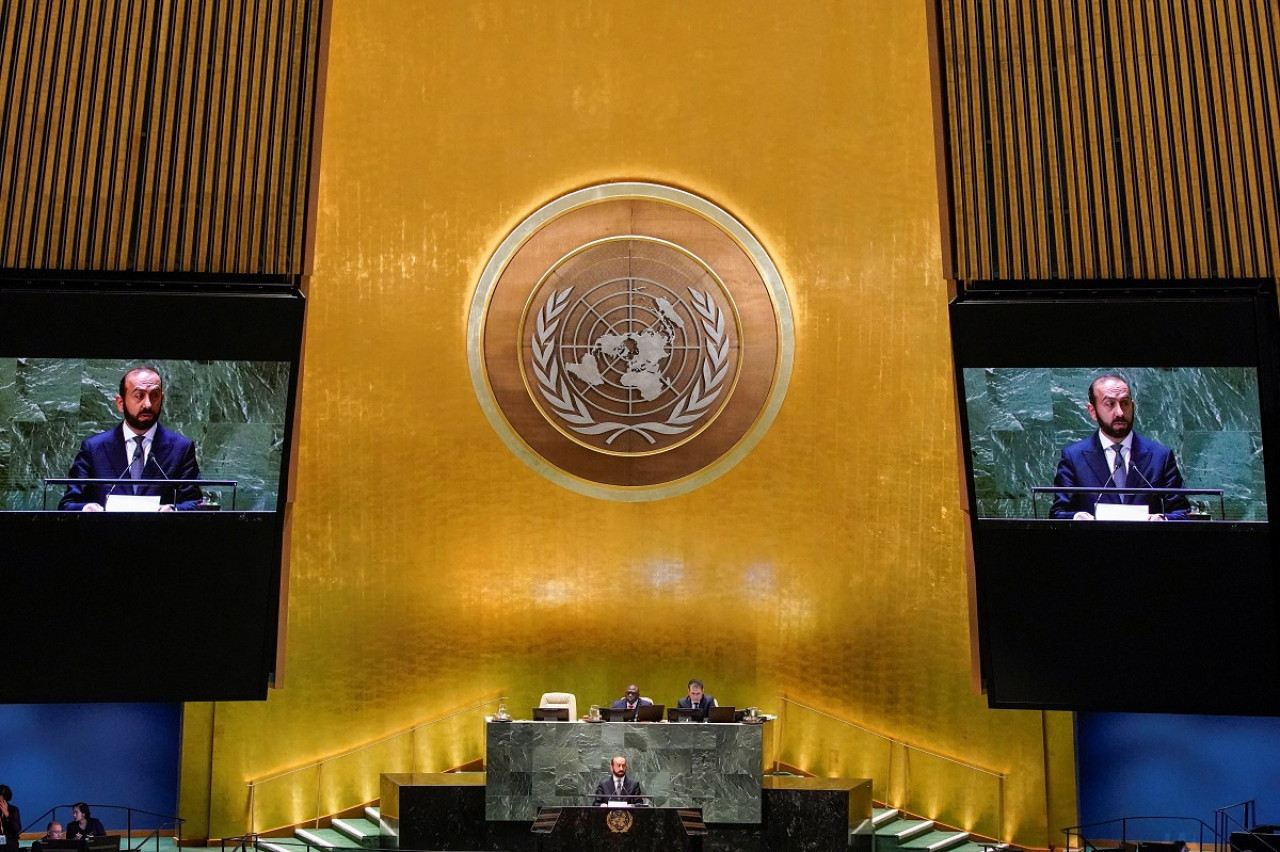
107	843
60	845
650	712
643	713
686	714
551	714
723	714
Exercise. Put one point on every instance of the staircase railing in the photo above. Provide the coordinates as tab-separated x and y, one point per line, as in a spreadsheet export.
430	746
161	821
1154	829
888	761
1225	822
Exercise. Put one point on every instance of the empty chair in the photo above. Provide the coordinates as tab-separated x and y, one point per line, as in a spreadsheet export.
561	699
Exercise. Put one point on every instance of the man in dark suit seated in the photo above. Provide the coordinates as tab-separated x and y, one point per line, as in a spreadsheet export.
631	700
696	699
618	787
139	448
1116	456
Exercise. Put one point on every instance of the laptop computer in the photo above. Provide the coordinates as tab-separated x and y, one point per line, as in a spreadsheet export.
551	714
686	714
643	713
723	714
651	713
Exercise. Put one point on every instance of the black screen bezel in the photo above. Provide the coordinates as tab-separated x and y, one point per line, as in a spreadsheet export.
181	607
1057	627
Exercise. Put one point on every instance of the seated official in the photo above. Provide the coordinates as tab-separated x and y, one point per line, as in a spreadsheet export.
631	699
618	787
696	699
83	824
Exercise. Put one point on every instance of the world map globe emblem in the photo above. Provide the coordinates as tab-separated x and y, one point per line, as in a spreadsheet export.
630	341
638	351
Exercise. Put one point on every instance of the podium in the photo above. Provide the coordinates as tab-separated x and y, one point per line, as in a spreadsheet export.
604	829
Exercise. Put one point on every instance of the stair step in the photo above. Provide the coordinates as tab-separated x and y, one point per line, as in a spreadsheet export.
373	813
879	816
936	841
974	846
280	844
325	838
362	832
904	829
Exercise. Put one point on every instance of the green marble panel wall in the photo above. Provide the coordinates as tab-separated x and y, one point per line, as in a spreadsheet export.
233	410
1020	419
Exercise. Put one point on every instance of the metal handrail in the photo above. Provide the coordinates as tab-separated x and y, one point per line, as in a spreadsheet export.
52	814
908	749
320	763
1123	822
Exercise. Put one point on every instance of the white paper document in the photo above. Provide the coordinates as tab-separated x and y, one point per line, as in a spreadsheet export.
133	503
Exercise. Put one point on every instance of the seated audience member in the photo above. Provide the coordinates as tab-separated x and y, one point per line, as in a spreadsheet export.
83	824
10	819
53	831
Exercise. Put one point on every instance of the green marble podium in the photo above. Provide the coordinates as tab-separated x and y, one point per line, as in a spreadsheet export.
531	765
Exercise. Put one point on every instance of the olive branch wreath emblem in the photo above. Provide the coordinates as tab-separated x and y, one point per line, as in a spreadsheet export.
688	410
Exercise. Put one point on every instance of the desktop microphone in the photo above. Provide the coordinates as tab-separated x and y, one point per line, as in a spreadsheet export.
1106	485
1149	485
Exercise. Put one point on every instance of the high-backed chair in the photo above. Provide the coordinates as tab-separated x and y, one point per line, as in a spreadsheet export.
561	699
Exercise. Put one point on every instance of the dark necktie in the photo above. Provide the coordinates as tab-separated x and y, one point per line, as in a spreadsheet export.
1118	473
135	465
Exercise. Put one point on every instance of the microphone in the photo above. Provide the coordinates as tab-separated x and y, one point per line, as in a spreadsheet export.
1149	485
1110	479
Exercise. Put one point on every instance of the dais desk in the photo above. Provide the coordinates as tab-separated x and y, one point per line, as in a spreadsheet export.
531	765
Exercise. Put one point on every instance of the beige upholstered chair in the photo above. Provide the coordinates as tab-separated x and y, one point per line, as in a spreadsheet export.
561	699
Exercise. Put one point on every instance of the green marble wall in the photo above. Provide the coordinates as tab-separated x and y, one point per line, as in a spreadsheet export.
233	410
1020	419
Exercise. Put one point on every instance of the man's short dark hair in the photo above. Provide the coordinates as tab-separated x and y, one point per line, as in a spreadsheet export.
140	370
696	682
1092	399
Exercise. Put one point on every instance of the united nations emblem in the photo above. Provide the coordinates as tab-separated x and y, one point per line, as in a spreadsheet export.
619	821
630	341
639	355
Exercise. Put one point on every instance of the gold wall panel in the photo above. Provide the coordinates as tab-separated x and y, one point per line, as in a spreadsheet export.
161	136
1095	140
431	569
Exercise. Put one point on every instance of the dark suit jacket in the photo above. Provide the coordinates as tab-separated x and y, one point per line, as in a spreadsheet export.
104	456
621	703
706	702
92	828
605	789
12	827
1084	464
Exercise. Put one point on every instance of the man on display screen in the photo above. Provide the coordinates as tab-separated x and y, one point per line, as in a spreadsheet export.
1116	457
139	448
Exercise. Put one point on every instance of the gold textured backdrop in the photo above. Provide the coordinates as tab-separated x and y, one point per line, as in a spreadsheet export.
432	570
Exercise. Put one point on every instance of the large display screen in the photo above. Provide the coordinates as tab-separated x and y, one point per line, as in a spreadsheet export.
1170	600
1021	419
233	411
150	604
